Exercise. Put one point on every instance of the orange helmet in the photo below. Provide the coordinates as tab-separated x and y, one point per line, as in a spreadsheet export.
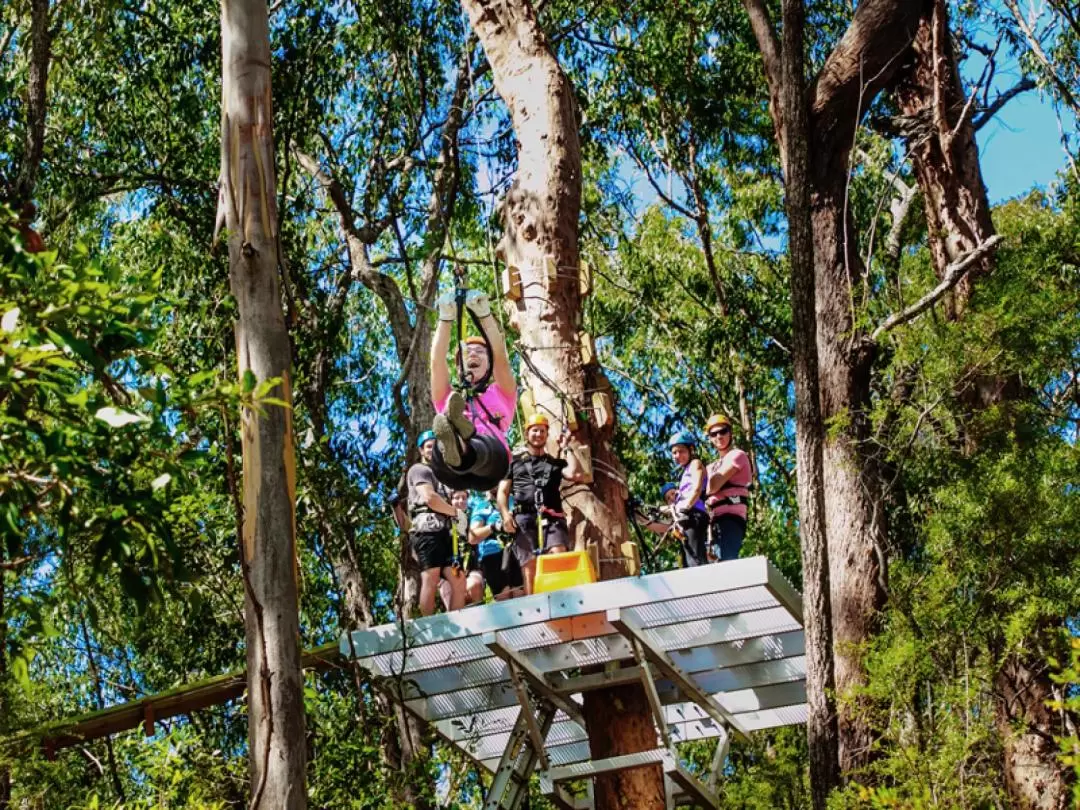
474	340
537	419
717	420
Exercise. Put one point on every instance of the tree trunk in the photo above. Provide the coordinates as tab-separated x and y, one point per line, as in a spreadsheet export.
541	213
247	208
854	514
937	117
937	122
34	138
859	67
821	727
1034	775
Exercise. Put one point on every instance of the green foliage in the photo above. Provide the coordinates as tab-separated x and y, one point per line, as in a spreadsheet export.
1069	679
118	400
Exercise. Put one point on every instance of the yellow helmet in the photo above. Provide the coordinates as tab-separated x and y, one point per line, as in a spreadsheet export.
474	340
716	420
537	419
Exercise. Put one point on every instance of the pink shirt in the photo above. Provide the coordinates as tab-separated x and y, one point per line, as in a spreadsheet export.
497	403
737	484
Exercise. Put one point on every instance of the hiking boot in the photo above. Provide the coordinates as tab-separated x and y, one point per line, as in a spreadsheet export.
447	440
455	412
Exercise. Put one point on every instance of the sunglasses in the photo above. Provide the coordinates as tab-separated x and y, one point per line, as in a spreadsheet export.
720	432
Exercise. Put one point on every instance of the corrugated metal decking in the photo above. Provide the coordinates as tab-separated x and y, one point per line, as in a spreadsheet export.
719	647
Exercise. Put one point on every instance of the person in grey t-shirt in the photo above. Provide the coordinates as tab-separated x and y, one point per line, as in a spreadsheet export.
431	513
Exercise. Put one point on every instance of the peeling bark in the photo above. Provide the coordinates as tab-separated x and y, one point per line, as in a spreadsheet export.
540	214
247	208
1034	775
941	140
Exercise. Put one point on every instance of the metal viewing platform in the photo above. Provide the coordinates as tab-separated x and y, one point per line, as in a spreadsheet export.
719	650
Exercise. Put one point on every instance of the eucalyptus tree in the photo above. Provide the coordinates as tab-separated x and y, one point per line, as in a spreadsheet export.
539	245
379	149
248	212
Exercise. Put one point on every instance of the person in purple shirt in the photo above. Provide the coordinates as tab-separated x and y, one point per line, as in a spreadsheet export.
471	451
689	508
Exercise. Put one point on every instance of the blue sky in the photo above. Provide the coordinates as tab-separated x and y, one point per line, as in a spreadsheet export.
1021	147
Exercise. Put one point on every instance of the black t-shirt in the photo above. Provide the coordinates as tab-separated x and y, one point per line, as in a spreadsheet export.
527	472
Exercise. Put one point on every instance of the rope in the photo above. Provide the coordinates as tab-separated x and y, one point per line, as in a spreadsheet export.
468	388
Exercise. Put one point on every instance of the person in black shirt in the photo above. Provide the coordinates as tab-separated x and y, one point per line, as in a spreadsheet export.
535	479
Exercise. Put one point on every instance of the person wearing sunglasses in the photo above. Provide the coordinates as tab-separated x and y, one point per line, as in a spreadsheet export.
727	491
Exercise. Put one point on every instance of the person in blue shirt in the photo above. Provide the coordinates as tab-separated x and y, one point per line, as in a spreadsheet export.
499	566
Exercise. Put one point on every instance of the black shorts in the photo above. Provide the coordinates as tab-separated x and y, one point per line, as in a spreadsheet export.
525	541
695	529
501	571
432	549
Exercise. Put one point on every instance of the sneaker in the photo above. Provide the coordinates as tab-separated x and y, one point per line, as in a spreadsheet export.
447	439
455	412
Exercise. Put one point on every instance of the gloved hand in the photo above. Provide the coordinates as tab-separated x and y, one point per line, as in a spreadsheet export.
478	303
447	306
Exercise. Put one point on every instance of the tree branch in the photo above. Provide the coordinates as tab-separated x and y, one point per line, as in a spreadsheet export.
954	272
769	45
862	63
1063	88
1003	98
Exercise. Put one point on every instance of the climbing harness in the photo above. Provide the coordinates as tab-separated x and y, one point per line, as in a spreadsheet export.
539	508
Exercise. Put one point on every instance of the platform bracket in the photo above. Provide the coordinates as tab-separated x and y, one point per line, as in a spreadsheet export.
625	621
496	642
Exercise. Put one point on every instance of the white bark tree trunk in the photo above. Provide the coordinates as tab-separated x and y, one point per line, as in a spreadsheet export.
248	212
541	229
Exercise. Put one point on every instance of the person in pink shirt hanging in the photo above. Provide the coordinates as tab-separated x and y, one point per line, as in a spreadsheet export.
728	490
471	448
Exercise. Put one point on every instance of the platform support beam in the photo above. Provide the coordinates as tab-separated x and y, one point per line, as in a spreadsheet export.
677	774
625	621
511	783
650	692
535	734
718	759
536	679
599	680
676	777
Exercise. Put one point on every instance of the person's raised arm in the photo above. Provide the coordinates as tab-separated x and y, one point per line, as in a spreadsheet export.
480	305
440	370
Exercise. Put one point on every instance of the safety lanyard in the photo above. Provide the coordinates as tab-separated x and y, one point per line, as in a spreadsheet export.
469	389
538	500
